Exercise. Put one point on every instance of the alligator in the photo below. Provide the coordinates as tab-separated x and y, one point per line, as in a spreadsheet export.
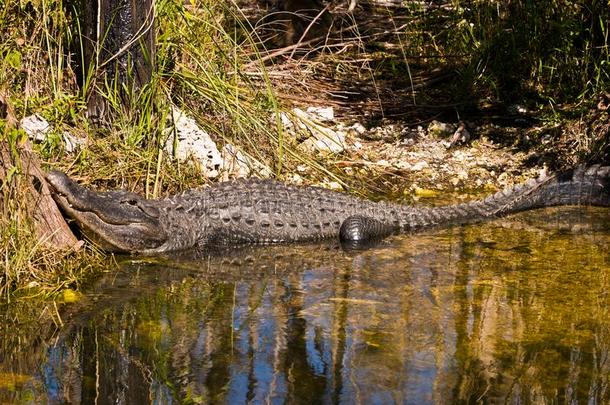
266	211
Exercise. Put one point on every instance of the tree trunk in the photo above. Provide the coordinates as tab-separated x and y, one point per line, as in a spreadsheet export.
49	224
118	39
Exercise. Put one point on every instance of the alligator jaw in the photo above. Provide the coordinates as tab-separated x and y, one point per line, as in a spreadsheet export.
118	221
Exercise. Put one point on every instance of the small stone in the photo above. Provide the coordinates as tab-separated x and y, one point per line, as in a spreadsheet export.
503	178
459	155
358	128
234	162
296	179
331	185
324	140
286	121
71	142
402	165
36	127
324	114
462	175
335	185
419	166
407	142
297	112
440	129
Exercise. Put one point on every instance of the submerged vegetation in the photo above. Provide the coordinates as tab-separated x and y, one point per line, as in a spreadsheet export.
467	57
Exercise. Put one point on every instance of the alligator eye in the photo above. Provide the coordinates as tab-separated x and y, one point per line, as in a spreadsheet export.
132	202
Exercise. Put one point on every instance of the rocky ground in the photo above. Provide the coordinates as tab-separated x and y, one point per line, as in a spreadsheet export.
417	161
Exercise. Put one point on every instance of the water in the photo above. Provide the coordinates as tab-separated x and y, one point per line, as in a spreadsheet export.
513	311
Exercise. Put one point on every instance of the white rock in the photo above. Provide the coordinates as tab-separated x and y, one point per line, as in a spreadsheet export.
462	175
503	178
286	121
419	166
459	155
324	140
302	115
320	137
335	185
332	185
323	114
36	127
295	179
187	140
71	142
402	165
358	128
234	161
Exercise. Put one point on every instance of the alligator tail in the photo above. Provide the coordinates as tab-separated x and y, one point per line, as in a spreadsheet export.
580	186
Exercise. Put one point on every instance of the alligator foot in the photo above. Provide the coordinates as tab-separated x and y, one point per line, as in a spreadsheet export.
360	232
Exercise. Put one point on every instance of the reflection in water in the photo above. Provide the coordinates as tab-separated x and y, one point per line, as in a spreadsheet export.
513	311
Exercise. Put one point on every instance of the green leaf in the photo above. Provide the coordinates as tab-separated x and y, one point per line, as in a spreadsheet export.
13	59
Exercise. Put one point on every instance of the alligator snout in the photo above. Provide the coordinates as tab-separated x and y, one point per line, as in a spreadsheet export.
117	220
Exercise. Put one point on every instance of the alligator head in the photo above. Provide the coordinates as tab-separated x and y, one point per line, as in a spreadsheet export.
118	220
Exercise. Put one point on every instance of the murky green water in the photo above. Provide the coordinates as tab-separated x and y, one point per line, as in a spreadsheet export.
515	311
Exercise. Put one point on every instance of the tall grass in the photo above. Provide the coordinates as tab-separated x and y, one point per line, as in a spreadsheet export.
555	50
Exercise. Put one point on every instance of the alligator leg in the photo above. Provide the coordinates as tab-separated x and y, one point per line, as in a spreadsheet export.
359	231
